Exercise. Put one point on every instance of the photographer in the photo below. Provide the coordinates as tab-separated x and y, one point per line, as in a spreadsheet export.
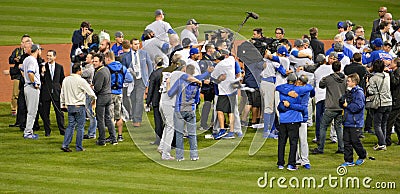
353	102
78	37
224	38
15	60
79	57
78	40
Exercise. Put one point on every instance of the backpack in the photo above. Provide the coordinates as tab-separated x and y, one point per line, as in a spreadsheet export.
119	78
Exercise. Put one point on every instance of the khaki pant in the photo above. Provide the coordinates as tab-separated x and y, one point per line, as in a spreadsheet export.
14	97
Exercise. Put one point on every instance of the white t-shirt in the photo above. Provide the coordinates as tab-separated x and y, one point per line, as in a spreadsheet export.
344	61
226	66
185	54
321	72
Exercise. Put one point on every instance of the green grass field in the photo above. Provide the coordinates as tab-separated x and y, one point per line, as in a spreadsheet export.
54	21
41	167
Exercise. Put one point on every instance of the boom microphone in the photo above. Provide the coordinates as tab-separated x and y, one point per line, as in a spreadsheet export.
253	15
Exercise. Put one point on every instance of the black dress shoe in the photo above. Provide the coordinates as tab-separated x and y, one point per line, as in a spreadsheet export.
66	149
47	134
62	132
100	143
316	151
13	125
339	152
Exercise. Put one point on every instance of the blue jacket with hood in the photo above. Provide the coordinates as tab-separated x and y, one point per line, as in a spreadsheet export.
124	76
354	112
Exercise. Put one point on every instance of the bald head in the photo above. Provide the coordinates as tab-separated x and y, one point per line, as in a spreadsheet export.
388	18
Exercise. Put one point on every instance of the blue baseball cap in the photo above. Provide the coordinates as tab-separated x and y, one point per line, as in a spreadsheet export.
340	24
378	42
282	50
193	51
159	12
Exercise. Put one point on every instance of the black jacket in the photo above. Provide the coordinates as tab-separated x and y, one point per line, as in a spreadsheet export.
359	69
395	88
15	73
51	88
153	94
317	47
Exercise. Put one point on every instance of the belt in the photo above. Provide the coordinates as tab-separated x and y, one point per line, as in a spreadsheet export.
77	105
269	79
33	84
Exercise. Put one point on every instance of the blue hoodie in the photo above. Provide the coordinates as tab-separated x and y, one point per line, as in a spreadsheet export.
354	112
304	93
124	77
291	115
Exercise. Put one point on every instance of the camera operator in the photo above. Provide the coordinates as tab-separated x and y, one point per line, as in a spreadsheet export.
224	38
260	42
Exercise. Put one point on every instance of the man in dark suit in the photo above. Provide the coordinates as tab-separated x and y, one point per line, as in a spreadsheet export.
382	33
52	77
316	45
138	61
375	25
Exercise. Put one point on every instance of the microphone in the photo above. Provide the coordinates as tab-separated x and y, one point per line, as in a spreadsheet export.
253	15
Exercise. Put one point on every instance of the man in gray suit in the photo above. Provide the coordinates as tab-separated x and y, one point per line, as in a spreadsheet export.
140	64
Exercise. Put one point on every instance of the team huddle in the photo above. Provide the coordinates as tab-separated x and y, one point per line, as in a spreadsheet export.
283	86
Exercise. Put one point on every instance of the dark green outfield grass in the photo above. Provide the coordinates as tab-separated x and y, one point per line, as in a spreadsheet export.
40	166
54	21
